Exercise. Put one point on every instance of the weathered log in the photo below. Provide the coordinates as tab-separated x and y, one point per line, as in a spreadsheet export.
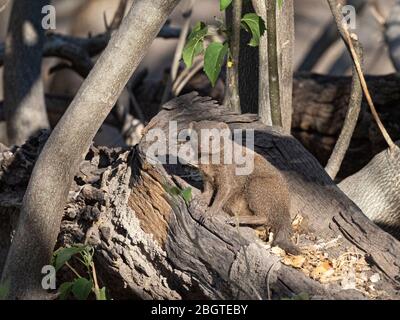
150	244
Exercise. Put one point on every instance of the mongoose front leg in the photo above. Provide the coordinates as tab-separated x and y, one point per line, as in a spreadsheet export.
208	191
221	197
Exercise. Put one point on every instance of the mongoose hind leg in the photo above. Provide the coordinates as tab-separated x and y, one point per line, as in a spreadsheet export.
269	196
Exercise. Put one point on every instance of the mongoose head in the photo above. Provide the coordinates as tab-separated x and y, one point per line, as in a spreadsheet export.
209	137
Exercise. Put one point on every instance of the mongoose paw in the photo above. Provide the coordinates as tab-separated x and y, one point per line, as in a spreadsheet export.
282	240
207	215
288	246
198	204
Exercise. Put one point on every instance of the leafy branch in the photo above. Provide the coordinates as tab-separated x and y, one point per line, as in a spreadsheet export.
80	287
217	53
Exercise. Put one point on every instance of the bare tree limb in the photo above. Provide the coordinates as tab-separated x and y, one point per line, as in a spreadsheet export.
285	38
350	122
232	97
55	42
50	182
273	67
264	105
118	16
23	87
186	14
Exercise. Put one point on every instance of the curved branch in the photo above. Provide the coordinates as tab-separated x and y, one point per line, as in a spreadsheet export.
48	187
55	42
350	122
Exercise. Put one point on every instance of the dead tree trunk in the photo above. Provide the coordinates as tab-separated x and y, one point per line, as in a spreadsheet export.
23	87
150	244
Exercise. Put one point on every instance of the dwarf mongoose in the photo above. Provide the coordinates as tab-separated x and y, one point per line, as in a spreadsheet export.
263	192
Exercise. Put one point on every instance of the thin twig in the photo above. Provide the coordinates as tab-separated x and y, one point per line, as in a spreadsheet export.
136	106
95	282
377	13
119	15
73	270
192	72
335	9
273	66
187	14
185	72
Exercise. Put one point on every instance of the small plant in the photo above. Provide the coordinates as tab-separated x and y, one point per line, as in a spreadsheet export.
81	287
186	193
216	53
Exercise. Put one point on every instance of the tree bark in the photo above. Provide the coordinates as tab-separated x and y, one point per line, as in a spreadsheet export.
44	199
149	244
23	87
253	65
379	197
285	33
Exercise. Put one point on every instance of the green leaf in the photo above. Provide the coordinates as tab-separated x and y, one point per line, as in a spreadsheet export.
223	4
65	290
280	4
172	190
187	194
63	255
81	288
255	25
194	45
87	256
213	60
101	294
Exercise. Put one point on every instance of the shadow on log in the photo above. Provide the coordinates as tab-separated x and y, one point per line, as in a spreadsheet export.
150	245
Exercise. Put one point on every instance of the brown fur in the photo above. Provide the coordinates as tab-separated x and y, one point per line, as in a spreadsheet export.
263	192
